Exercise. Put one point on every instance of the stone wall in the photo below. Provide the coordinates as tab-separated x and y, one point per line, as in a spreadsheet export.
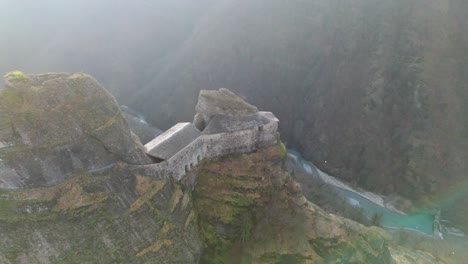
214	145
234	142
187	158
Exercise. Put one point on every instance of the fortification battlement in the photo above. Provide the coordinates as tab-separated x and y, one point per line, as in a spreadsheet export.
223	131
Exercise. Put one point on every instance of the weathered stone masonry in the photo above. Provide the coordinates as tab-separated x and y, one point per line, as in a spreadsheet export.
223	135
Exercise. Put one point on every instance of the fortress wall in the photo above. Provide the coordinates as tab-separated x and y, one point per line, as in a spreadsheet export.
186	159
240	141
269	135
233	142
214	145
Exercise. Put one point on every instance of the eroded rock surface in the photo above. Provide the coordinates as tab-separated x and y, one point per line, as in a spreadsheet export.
251	211
112	216
57	123
222	101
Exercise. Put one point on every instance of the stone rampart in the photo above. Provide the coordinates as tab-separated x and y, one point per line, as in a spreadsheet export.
214	145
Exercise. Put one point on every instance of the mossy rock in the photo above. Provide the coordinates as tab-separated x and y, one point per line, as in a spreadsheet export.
88	219
250	211
222	101
16	75
59	123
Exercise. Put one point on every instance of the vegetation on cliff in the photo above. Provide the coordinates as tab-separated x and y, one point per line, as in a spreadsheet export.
114	216
365	85
250	210
16	75
375	88
59	123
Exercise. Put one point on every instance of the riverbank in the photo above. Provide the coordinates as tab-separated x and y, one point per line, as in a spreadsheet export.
373	206
311	169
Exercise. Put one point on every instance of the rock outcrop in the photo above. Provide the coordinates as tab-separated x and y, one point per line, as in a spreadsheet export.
252	211
57	123
222	101
118	215
244	208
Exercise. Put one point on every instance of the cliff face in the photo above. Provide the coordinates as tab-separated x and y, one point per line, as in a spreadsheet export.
375	88
119	215
58	123
243	208
211	103
250	210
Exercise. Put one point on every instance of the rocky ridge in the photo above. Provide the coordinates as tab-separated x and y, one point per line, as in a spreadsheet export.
117	215
223	102
54	124
238	209
252	211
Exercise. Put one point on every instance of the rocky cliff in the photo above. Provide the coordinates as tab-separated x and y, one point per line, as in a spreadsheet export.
222	101
118	215
244	209
250	210
238	209
375	88
54	124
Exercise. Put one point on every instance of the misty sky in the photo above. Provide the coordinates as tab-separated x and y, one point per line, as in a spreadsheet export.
57	35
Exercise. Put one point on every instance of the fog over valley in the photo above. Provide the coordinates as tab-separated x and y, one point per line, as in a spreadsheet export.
233	131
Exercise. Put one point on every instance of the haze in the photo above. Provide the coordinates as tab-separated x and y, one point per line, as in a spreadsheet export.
371	98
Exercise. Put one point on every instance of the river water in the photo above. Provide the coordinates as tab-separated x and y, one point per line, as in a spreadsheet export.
420	222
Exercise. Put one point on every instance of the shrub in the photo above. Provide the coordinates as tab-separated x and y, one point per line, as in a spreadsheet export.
281	149
16	75
376	219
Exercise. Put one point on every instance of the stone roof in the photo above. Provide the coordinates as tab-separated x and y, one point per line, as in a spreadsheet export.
224	123
172	141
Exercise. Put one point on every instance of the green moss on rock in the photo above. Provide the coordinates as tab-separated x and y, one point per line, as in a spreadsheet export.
70	223
16	75
60	123
251	211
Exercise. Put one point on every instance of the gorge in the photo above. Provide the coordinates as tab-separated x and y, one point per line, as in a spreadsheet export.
361	159
129	212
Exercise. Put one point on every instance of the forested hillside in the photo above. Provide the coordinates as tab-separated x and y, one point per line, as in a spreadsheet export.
377	89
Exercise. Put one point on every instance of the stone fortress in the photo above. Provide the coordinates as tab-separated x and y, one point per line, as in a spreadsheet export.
54	126
224	124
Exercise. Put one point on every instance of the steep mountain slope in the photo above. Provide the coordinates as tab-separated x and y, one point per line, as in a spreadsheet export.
52	125
375	88
126	215
114	216
243	208
251	211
